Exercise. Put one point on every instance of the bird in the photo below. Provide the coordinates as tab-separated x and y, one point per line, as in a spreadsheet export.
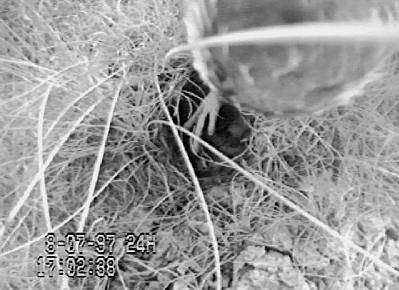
283	79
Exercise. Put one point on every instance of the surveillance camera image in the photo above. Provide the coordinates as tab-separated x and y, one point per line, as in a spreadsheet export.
199	144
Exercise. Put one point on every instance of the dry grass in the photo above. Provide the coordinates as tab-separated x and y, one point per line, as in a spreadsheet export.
82	151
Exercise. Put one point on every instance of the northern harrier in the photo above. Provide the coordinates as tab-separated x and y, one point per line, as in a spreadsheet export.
284	78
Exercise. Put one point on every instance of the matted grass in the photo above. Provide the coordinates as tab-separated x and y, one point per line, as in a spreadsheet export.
83	149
